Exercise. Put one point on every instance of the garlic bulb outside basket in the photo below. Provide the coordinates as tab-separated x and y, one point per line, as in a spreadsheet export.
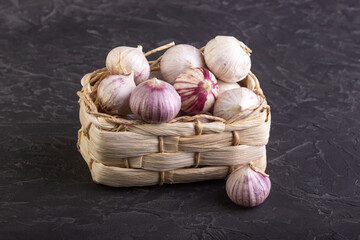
113	93
155	101
248	187
198	90
238	101
123	60
225	57
178	58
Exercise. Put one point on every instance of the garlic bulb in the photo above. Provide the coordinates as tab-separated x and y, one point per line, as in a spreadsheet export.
123	60
178	58
238	101
155	101
113	93
225	57
224	86
198	90
247	187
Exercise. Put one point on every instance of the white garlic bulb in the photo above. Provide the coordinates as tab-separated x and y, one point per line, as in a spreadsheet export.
238	101
113	93
226	58
224	86
123	60
178	58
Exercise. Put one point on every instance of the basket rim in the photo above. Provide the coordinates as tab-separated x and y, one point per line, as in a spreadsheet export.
90	82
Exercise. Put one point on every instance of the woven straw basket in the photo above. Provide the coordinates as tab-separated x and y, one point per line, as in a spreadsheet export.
122	152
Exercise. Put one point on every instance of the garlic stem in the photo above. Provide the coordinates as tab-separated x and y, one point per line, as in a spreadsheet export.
245	48
206	86
159	48
201	49
155	83
252	166
189	65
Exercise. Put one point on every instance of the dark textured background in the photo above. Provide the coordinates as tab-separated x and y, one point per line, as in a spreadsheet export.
307	57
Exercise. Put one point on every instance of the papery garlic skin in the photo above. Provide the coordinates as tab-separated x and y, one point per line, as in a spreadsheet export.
198	90
155	101
235	101
123	60
224	86
225	57
178	58
247	187
113	93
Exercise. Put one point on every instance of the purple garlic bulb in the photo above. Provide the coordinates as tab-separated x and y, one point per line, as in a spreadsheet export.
198	90
248	187
155	101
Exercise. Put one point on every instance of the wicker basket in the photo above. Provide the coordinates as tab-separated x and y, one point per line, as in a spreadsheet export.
123	152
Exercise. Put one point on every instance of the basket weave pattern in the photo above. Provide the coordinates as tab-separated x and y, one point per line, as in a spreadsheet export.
124	152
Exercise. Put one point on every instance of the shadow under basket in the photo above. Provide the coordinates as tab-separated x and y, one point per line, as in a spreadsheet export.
122	152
